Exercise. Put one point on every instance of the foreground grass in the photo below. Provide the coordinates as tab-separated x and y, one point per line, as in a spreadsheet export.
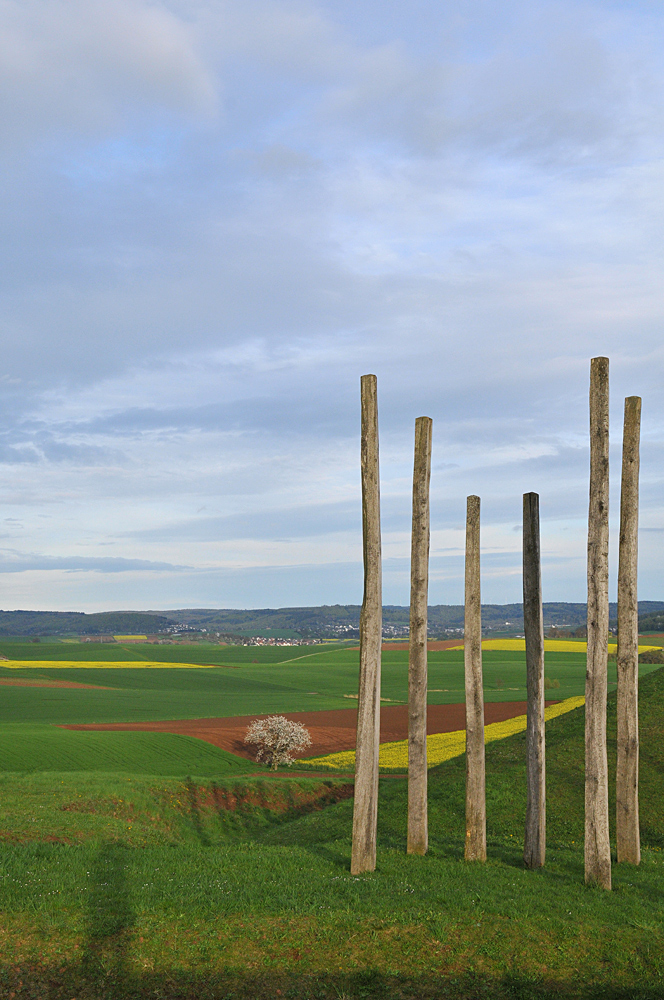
251	917
241	888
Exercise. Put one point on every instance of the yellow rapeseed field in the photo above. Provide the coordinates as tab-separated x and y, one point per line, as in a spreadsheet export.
100	664
444	746
552	645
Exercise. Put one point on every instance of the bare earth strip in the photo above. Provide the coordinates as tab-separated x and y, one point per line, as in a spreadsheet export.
331	731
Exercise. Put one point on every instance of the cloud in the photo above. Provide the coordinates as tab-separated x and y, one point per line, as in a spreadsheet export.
294	522
84	67
15	562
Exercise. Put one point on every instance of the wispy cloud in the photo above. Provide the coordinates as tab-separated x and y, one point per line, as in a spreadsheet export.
15	562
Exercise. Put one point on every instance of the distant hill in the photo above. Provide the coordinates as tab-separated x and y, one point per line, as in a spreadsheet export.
328	621
77	623
653	621
339	620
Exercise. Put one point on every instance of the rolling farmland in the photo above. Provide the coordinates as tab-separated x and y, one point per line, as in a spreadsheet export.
138	860
227	683
239	887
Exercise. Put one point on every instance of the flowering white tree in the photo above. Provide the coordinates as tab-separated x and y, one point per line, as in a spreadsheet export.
277	739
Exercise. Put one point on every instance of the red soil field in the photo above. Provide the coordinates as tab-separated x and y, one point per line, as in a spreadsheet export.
331	731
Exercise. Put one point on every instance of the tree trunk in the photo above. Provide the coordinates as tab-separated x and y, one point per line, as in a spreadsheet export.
627	764
365	809
535	838
418	838
475	848
597	850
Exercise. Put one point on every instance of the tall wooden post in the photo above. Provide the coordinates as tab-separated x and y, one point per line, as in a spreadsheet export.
534	847
597	850
418	837
365	810
475	848
627	765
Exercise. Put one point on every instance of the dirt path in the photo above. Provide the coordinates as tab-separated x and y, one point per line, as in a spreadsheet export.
331	731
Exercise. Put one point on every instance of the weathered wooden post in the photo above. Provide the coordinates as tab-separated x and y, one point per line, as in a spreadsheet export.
475	848
597	850
365	809
534	847
418	837
627	765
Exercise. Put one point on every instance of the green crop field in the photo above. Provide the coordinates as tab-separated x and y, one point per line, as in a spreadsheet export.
120	886
29	747
306	681
204	652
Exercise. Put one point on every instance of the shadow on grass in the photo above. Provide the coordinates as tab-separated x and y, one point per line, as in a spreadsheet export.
67	981
109	919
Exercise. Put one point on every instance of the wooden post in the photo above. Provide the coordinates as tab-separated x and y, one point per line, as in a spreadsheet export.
418	838
534	847
365	809
627	765
597	850
475	848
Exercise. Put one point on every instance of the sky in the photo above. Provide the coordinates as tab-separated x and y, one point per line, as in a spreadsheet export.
217	216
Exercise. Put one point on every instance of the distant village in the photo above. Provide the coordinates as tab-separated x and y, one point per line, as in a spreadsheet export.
189	634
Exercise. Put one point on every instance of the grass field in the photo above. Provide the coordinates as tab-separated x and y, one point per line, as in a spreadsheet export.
186	653
26	747
240	888
306	681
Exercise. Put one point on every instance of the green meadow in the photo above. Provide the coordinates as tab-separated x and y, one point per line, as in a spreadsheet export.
125	887
29	747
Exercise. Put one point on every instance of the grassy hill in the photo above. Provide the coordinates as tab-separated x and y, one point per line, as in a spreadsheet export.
39	623
653	622
240	887
333	619
325	621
